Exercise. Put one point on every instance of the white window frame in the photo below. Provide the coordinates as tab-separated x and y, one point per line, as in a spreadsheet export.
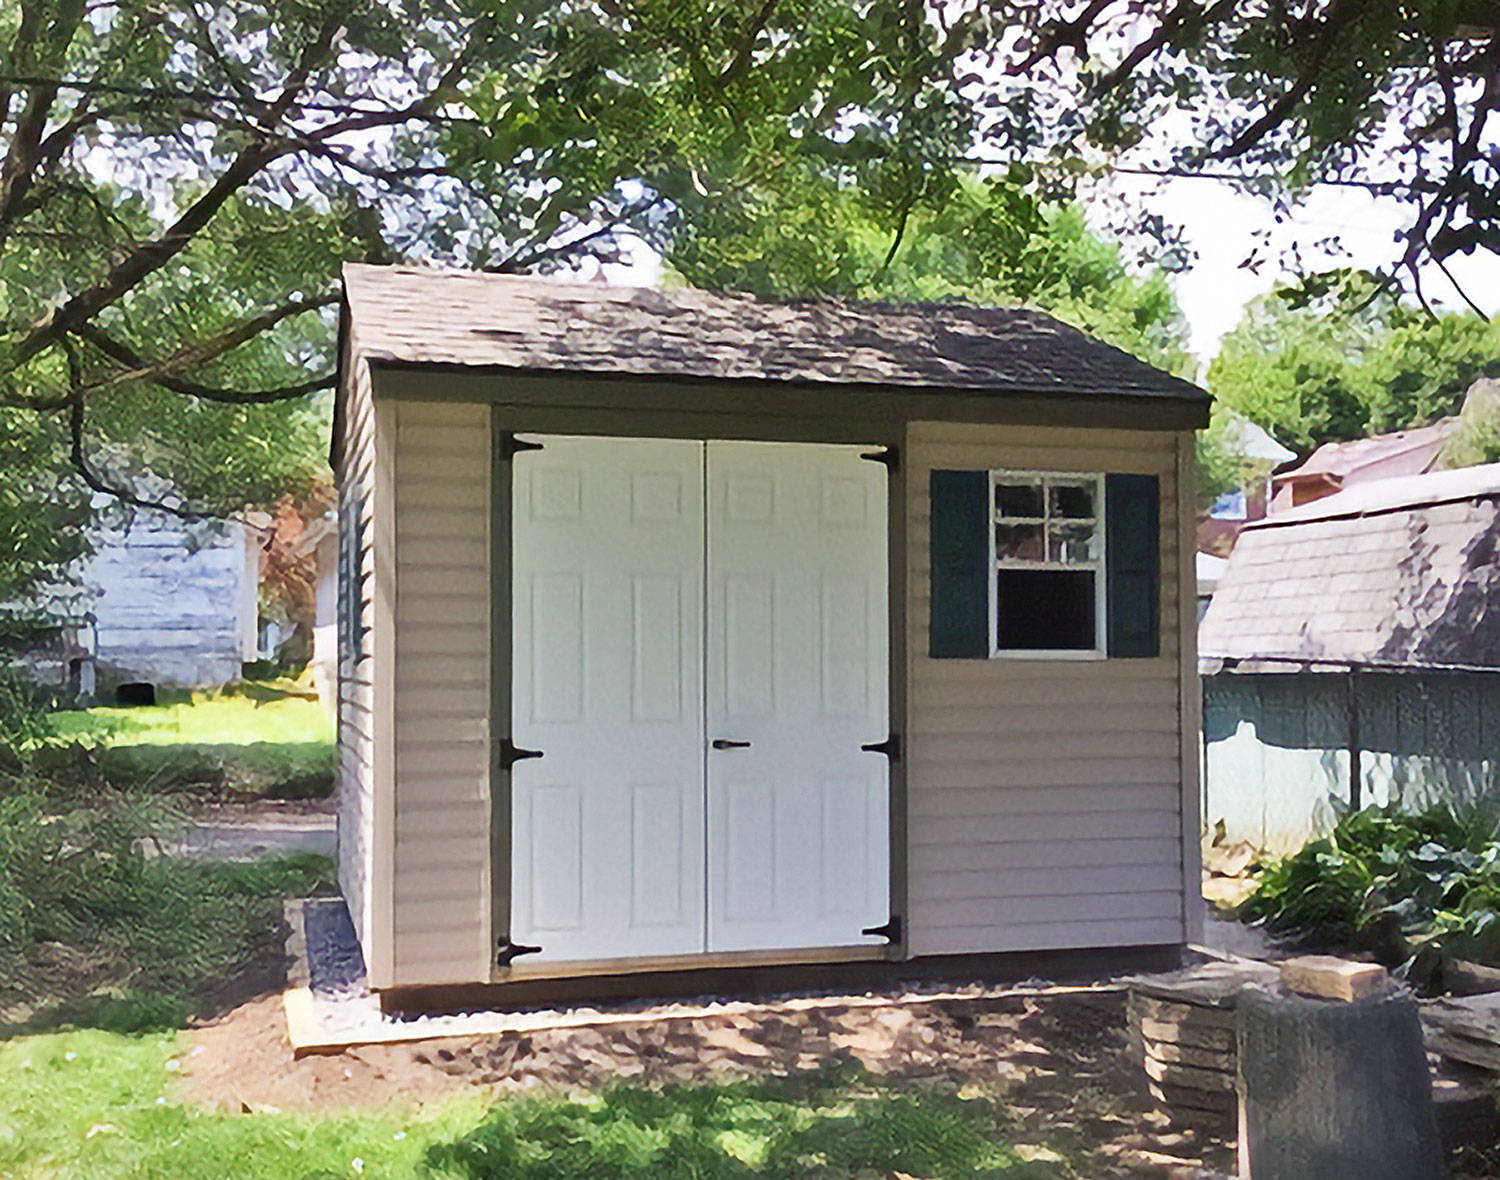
1098	651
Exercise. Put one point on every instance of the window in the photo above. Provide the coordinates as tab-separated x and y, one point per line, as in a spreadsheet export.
1047	564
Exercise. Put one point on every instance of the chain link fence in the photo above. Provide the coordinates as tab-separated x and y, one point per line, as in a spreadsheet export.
1284	750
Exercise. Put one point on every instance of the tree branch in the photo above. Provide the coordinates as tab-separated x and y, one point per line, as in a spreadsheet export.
78	457
207	350
16	171
744	54
1340	14
155	254
121	352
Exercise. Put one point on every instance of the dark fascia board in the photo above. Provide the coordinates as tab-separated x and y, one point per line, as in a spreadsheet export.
857	405
340	391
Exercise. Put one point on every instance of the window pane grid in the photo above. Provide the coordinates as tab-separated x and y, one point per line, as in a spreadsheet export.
1063	537
1047	563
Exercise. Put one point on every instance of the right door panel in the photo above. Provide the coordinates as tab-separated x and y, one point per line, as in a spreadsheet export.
797	643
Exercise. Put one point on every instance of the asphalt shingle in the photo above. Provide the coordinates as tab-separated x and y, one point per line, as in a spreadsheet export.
428	316
1409	576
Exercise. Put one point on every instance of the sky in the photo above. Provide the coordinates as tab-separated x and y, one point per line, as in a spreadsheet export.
1220	222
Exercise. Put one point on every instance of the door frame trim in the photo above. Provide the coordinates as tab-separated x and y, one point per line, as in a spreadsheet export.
532	419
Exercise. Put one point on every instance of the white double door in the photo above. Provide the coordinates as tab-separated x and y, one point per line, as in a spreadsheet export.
699	651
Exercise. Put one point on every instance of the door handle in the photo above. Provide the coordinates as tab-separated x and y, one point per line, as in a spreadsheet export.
726	744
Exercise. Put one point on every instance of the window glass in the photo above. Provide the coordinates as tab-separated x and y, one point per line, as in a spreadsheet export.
1044	610
1074	500
1020	499
1020	542
1072	544
1048	563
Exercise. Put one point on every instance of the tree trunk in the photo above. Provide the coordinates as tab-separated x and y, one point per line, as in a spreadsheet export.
1335	1091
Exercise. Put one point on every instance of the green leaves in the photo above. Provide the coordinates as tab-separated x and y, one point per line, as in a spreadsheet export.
1413	889
1339	357
985	239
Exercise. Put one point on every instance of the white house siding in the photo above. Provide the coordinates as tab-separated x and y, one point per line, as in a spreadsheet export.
356	462
1044	797
174	604
442	686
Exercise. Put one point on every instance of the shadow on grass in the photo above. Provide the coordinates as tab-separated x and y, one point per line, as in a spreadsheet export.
837	1122
271	770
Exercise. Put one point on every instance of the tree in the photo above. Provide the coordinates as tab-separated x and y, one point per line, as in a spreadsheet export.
42	510
1398	97
181	180
982	239
1346	359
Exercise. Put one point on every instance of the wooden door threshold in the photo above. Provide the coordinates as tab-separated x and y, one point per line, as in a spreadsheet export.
777	976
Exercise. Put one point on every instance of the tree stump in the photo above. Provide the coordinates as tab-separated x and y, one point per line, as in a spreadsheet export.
1337	1091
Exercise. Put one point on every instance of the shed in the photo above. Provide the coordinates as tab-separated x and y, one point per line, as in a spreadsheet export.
1352	656
685	631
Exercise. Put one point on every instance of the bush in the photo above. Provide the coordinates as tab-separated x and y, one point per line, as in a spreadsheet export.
24	723
1416	890
96	930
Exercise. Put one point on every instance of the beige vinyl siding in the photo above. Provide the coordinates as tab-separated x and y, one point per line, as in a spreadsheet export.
441	683
356	469
1044	797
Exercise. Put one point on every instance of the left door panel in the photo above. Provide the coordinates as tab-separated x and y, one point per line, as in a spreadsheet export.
607	826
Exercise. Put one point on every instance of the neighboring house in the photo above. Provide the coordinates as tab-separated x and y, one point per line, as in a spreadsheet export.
325	652
683	631
159	600
1220	526
173	603
1336	466
1209	570
1353	654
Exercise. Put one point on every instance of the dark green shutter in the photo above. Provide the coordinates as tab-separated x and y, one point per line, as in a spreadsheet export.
960	625
1132	547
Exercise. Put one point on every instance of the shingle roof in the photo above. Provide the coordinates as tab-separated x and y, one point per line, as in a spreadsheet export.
427	316
1341	460
1396	572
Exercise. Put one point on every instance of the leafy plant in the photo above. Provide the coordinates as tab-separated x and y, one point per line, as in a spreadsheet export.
1419	890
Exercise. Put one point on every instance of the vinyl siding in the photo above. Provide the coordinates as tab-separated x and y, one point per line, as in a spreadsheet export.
355	469
441	691
1044	797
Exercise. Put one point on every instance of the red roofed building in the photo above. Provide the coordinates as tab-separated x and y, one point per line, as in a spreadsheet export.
1338	465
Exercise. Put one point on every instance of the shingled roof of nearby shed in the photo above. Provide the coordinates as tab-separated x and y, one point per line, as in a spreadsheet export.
426	316
1398	572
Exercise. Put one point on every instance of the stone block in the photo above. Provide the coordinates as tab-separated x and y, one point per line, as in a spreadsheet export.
1327	978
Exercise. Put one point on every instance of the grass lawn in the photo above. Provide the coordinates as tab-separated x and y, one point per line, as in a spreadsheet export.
94	934
253	741
100	1105
202	719
105	954
95	1104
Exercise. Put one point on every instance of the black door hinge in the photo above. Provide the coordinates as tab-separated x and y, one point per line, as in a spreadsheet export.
891	747
510	753
508	952
891	931
890	456
507	446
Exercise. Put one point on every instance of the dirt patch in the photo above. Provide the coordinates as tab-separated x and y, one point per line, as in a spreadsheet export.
1056	1063
243	1061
